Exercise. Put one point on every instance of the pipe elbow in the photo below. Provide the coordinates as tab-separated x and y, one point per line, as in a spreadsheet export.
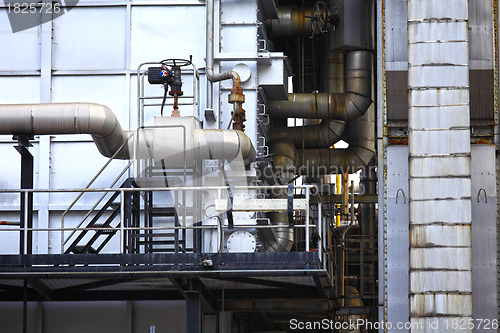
100	122
101	119
247	149
356	105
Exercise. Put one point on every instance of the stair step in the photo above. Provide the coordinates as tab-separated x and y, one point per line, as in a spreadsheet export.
161	242
79	249
115	205
169	234
162	250
106	229
161	211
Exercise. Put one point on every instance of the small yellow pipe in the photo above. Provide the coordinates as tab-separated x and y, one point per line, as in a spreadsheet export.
338	185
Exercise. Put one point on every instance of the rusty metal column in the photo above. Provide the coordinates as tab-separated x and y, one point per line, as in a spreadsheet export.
440	171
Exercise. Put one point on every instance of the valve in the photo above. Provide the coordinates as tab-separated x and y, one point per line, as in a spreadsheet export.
169	75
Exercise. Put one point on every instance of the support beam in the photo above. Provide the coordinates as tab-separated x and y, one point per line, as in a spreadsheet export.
41	288
92	285
194	314
26	209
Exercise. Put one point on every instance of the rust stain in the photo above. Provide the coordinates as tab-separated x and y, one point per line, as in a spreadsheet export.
398	142
483	141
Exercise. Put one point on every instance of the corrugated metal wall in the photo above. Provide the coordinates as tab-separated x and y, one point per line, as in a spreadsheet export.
90	54
481	70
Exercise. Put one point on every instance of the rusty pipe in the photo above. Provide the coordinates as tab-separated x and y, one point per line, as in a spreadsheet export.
347	106
236	97
361	139
323	135
292	21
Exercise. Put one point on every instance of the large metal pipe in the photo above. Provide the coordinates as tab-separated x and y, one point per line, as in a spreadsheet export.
223	145
292	21
322	135
111	140
346	106
67	118
284	162
361	139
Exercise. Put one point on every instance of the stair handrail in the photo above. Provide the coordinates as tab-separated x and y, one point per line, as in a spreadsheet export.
65	240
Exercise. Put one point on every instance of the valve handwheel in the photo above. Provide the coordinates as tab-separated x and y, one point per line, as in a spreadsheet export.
176	62
319	17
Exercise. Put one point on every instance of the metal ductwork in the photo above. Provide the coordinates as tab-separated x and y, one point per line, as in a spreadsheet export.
224	145
292	21
285	166
67	118
346	106
350	104
322	135
361	139
111	140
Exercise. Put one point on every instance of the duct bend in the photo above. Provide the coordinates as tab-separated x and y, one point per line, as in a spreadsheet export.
324	134
345	106
67	118
361	139
224	145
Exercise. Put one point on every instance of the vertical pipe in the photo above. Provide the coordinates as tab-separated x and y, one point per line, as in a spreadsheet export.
307	218
338	186
122	222
320	233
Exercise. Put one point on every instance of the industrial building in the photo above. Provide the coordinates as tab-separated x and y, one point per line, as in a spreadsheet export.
249	166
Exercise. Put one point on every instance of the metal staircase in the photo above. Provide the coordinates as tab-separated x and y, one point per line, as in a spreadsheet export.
96	229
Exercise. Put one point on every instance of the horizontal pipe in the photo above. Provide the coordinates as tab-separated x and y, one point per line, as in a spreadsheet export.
224	145
292	21
324	134
340	106
346	106
67	118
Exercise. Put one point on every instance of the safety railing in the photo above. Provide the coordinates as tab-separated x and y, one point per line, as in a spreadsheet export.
64	239
316	225
149	101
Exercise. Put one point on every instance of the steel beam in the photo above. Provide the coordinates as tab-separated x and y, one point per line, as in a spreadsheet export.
194	314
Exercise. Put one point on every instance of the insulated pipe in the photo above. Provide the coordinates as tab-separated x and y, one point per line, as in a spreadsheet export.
324	135
100	122
292	21
224	145
284	163
346	106
361	139
67	118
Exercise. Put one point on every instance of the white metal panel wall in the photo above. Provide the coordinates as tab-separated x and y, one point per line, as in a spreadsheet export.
481	34
484	240
396	20
440	174
397	233
89	54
